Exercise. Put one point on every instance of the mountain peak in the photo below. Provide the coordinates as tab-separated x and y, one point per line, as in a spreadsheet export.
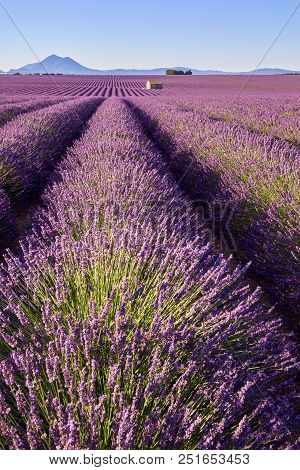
52	56
56	64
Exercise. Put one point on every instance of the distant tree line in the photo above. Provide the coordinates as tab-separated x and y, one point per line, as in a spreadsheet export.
36	73
178	72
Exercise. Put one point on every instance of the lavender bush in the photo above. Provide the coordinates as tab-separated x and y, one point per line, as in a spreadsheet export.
121	330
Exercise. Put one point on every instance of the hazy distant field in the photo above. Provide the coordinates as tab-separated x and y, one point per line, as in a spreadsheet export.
135	85
149	279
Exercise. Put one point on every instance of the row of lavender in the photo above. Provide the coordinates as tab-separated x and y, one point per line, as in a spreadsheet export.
275	116
121	329
29	147
10	108
255	177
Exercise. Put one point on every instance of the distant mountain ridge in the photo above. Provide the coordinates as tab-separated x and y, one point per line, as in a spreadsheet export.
68	66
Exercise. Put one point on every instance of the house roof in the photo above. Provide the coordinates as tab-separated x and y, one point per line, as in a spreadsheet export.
155	82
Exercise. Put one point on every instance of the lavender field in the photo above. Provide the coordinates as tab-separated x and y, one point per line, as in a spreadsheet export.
149	269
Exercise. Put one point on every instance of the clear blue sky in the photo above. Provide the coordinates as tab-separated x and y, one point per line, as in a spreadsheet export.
231	35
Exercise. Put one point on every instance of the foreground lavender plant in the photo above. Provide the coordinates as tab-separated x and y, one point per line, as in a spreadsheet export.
121	330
